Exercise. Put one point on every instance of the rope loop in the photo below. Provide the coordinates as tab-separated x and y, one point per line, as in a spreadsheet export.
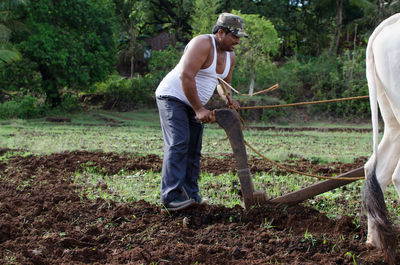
223	84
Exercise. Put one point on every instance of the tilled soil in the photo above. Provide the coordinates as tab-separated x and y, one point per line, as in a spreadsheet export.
43	220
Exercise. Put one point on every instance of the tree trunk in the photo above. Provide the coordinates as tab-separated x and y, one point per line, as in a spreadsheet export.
252	80
132	48
355	37
53	97
339	21
381	10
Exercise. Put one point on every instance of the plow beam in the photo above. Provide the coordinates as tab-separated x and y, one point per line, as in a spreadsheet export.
229	120
318	188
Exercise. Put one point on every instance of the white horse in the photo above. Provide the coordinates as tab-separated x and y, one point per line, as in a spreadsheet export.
383	75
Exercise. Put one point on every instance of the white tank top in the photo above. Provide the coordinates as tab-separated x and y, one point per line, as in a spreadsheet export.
206	80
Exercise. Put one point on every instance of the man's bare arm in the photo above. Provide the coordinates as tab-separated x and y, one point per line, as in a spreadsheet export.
196	55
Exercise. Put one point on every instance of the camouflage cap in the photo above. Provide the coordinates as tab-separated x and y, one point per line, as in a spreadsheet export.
232	22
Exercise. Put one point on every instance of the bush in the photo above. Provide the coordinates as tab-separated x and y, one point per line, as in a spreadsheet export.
262	115
69	103
22	108
355	83
21	76
27	107
161	62
321	78
125	94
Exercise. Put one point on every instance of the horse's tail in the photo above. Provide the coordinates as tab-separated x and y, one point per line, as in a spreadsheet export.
374	204
372	195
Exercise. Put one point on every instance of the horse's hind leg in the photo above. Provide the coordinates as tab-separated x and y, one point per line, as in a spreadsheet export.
396	178
388	166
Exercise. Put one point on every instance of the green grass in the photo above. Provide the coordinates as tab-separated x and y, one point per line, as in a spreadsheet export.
140	134
124	186
320	146
223	190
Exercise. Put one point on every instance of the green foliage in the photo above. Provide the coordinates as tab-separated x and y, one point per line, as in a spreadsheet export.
22	108
8	54
9	22
163	61
321	78
147	18
174	15
139	13
28	107
72	43
132	16
69	103
125	94
374	11
204	16
21	76
262	36
253	53
355	84
308	29
301	28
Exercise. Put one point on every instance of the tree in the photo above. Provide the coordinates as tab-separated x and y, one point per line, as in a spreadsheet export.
132	15
204	16
308	28
174	16
71	41
339	23
375	10
139	19
9	22
256	49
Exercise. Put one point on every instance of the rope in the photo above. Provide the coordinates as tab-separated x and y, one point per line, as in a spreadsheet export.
303	103
226	94
224	84
296	171
222	81
255	93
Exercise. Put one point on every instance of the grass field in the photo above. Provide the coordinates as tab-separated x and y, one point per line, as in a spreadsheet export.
139	133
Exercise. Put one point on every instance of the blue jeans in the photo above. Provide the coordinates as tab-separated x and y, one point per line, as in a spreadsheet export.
182	149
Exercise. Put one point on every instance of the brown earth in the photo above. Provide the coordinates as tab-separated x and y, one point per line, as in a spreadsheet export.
43	220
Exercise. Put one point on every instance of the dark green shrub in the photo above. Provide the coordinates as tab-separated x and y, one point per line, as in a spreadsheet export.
22	108
355	84
21	76
322	78
72	42
124	94
69	103
161	62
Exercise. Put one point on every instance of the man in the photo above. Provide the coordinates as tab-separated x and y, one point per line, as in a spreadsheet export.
181	97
